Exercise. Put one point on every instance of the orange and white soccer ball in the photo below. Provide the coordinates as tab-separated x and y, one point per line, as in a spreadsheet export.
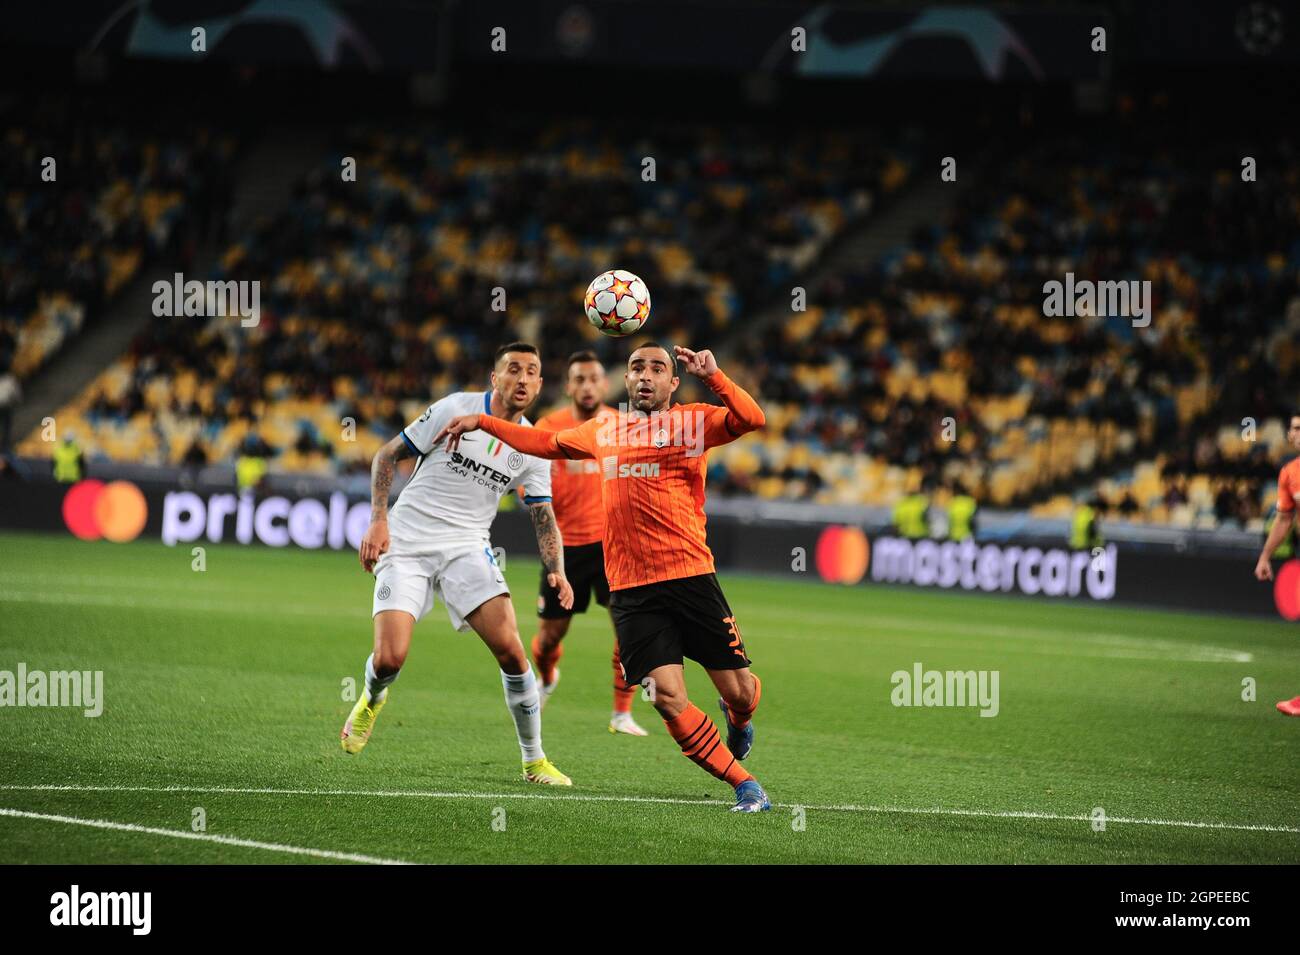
617	303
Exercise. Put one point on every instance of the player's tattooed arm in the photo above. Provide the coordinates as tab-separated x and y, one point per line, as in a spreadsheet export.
375	542
382	470
549	543
551	547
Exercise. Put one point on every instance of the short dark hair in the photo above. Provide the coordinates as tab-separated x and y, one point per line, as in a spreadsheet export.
514	346
672	359
585	354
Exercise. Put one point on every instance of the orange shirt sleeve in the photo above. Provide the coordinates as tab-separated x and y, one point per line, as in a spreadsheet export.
570	443
1285	499
579	442
739	415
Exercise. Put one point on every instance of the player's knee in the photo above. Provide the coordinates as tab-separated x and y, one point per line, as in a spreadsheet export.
669	702
551	633
387	661
740	695
512	659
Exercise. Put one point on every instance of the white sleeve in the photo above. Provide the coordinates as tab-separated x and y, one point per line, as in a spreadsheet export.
419	434
536	480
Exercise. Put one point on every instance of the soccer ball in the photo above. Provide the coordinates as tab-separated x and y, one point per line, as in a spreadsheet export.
617	303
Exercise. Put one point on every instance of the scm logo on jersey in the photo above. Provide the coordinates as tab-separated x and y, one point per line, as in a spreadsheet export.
638	470
612	469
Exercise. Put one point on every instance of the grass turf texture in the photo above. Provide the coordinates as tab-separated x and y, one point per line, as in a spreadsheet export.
231	679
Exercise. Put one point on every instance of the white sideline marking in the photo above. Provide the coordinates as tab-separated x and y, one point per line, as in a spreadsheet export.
199	837
430	794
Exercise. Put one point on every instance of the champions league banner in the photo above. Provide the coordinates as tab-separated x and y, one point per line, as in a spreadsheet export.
120	511
798	39
1002	44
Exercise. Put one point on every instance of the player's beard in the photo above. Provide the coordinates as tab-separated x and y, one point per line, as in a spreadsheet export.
515	404
648	405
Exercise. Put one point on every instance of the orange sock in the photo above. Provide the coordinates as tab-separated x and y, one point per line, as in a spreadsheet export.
546	661
701	744
622	692
740	718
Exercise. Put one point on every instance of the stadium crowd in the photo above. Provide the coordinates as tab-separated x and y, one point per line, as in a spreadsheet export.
378	294
89	200
935	366
938	362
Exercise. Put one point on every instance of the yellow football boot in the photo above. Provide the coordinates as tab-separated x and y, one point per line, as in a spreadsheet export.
543	771
361	721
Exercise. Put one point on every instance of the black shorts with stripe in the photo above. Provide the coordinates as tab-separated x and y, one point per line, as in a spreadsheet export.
584	565
664	622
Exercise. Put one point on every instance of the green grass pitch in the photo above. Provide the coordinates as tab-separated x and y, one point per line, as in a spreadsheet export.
223	693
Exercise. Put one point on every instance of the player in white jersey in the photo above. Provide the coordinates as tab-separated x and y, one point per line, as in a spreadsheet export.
435	543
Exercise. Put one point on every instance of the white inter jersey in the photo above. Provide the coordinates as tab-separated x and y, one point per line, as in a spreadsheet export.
452	498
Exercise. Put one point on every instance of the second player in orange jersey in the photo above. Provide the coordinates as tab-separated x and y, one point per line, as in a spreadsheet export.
1288	492
665	598
576	497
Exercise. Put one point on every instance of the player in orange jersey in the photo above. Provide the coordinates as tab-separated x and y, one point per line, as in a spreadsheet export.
575	495
1288	490
665	598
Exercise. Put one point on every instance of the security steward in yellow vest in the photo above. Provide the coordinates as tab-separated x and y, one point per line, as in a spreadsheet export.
69	462
1085	531
251	466
909	516
961	515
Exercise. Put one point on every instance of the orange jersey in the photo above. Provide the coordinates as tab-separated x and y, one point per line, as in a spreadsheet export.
652	478
575	486
1288	486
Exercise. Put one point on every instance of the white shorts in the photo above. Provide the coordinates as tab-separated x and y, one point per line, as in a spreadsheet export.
464	576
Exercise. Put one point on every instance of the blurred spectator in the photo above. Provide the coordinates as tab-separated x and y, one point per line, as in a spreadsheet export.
961	514
69	461
194	460
1176	494
10	394
251	466
910	517
1085	525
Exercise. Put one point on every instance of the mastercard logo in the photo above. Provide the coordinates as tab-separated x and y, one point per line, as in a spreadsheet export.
115	511
842	554
1286	590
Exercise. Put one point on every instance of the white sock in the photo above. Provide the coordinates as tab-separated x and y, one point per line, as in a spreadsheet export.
376	686
525	709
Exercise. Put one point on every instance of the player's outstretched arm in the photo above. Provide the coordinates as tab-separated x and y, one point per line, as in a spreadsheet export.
453	429
550	545
570	443
375	542
743	414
